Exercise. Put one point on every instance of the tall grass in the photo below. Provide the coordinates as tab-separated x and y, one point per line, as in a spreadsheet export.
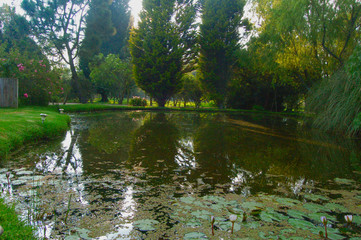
19	126
336	101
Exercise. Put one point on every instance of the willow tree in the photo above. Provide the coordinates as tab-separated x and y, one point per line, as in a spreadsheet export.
162	46
309	38
219	41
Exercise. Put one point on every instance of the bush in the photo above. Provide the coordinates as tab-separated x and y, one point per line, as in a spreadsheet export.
38	81
137	101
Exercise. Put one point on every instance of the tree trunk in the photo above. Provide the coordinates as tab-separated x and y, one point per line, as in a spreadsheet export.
104	97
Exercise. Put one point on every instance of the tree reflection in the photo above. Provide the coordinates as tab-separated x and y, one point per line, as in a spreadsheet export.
68	161
105	143
154	148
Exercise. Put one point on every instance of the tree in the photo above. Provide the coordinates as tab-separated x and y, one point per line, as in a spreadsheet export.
112	76
191	90
117	43
22	58
336	101
219	41
107	31
310	39
162	46
58	26
98	28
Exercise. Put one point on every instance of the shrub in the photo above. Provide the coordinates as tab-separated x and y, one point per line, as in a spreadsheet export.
137	101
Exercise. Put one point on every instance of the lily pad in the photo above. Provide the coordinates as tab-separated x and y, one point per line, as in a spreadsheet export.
344	181
251	205
193	223
80	233
287	201
288	231
336	207
298	223
188	200
195	235
252	225
312	207
296	214
316	198
24	172
356	220
226	226
270	216
317	217
145	225
18	182
202	214
332	233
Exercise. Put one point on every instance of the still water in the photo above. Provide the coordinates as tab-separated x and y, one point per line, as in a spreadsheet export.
157	175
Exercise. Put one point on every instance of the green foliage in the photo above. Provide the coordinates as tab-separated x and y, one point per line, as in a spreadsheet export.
219	41
19	126
117	43
336	100
98	28
162	47
38	81
112	77
57	26
191	90
14	229
137	101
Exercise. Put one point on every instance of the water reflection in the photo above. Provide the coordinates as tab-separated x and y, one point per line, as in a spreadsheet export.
69	162
154	148
120	166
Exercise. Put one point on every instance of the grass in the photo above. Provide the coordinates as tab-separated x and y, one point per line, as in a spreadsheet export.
13	227
96	107
17	127
23	125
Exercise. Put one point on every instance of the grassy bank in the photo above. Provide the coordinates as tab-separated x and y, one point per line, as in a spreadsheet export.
96	107
14	229
19	126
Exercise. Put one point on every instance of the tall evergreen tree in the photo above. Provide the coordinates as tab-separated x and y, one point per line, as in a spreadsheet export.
117	43
219	42
98	28
162	46
107	31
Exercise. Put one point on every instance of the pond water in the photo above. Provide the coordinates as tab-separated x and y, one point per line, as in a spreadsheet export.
156	175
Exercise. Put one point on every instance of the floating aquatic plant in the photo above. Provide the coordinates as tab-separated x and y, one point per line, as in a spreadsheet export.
348	219
212	223
233	219
8	177
324	222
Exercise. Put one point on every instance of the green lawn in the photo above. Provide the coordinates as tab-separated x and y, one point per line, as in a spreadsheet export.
19	126
14	229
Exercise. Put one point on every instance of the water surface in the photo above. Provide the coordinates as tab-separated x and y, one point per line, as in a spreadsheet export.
157	175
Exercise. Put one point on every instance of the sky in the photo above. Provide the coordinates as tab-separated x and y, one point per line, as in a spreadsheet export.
135	5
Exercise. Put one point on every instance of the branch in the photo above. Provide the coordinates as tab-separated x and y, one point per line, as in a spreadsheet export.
326	48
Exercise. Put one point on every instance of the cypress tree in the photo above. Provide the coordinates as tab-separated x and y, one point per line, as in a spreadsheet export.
161	46
219	42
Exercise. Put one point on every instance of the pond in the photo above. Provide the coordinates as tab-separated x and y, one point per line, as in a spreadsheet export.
162	175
